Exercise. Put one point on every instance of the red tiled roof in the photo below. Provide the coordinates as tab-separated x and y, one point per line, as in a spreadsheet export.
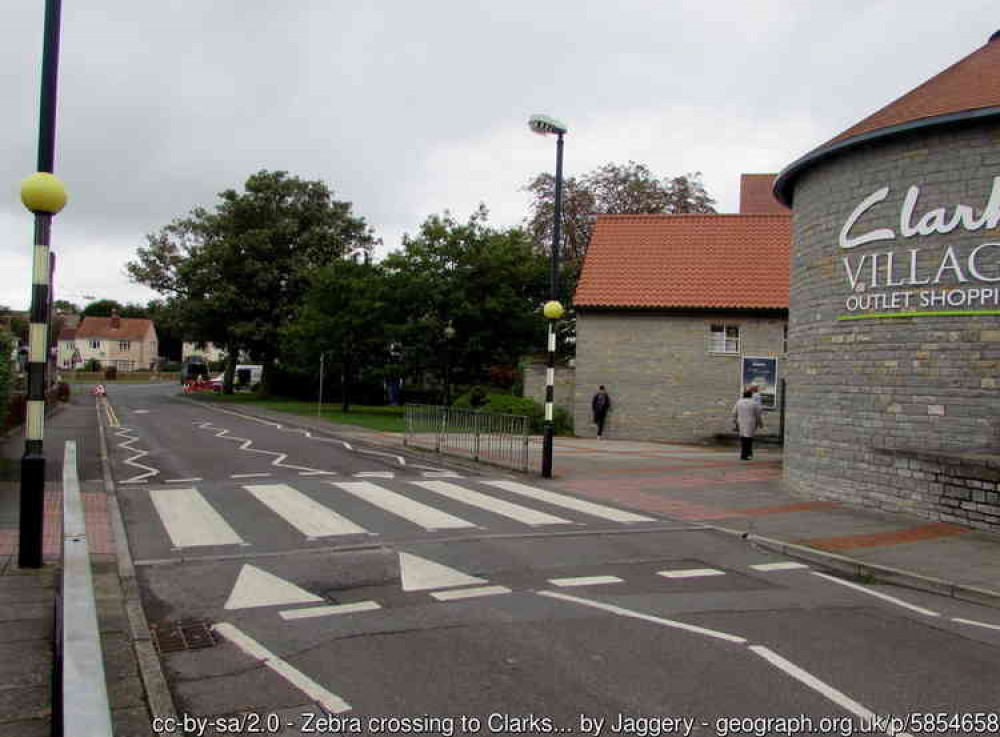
671	261
757	196
67	334
131	328
970	84
970	87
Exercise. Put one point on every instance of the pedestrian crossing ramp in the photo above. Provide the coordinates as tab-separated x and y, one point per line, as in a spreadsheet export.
195	517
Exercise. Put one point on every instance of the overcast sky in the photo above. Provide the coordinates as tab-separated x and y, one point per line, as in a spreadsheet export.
410	107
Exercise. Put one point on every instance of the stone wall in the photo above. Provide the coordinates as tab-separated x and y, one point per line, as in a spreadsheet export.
533	375
664	381
878	407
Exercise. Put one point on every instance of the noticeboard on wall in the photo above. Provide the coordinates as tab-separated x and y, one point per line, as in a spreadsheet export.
762	373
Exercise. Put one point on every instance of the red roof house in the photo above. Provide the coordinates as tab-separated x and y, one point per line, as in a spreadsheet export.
670	308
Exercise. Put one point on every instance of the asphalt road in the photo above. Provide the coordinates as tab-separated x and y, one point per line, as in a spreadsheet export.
300	584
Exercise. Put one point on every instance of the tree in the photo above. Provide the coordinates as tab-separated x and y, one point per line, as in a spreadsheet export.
466	296
63	305
102	308
344	317
620	189
236	274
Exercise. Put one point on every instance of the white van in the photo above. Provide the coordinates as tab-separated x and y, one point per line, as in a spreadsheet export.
246	378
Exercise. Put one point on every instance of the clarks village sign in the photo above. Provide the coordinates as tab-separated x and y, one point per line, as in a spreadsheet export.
908	282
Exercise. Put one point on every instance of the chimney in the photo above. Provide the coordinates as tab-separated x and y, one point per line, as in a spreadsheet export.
116	321
756	196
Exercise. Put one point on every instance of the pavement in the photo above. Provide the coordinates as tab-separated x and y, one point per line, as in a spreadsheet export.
706	486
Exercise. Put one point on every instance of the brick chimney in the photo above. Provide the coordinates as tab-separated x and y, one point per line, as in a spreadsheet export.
756	197
116	321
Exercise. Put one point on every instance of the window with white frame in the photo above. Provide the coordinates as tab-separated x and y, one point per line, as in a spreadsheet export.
124	345
725	339
95	344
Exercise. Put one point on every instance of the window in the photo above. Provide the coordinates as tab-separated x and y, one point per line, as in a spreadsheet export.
725	339
95	344
124	345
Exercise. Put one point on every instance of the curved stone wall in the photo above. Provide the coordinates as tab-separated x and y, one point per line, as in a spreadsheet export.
894	325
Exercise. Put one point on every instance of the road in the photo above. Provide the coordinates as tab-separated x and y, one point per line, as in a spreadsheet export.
300	584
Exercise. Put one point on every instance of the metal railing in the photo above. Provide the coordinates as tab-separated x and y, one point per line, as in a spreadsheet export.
501	440
83	708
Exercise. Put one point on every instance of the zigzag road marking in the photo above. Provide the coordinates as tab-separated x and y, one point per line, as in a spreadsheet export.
281	427
246	443
132	438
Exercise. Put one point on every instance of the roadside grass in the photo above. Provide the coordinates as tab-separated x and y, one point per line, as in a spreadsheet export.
378	419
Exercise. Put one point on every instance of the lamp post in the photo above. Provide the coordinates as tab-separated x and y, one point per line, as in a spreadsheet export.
449	335
553	310
44	195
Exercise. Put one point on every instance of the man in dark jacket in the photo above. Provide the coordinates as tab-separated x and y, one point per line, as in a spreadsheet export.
600	405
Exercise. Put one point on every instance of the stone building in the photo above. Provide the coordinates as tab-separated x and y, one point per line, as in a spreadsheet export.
667	308
894	312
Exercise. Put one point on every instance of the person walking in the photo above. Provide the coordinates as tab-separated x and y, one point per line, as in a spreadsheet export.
748	418
600	405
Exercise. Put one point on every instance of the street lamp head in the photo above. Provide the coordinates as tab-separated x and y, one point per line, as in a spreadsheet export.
553	310
543	125
43	193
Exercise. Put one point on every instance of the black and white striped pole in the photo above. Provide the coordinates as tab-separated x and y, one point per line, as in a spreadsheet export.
44	195
553	310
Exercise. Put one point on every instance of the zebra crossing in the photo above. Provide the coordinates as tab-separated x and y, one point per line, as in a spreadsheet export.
194	517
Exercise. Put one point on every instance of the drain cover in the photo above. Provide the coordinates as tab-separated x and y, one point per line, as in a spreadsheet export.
169	637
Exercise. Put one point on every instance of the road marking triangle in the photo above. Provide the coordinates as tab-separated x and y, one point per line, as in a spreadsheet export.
255	587
420	574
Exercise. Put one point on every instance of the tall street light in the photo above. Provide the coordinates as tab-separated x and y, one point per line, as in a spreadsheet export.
553	310
44	195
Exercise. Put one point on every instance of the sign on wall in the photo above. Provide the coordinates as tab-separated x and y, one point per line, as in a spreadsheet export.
915	276
762	373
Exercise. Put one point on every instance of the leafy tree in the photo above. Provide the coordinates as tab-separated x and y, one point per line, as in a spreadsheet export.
236	274
344	317
62	305
466	296
610	189
102	308
6	346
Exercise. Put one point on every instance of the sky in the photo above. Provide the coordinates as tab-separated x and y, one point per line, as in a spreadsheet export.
409	108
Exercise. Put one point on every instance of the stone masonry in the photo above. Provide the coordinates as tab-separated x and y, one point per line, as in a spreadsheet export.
896	413
664	381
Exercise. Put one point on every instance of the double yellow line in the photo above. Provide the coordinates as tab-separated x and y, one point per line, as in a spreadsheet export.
110	412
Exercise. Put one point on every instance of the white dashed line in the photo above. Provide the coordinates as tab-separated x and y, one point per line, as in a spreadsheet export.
786	566
249	475
469	593
877	594
691	573
585	581
329	611
974	623
329	701
622	612
182	481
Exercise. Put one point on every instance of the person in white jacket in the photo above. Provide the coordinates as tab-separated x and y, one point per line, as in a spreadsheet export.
748	418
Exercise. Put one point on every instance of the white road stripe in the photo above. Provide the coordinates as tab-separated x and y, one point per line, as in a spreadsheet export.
248	475
691	573
877	594
306	515
837	697
182	481
585	581
329	701
421	574
402	506
622	612
974	623
569	502
456	594
190	520
376	474
491	504
329	611
785	566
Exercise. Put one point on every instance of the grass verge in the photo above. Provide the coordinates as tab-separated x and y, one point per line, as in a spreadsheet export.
378	419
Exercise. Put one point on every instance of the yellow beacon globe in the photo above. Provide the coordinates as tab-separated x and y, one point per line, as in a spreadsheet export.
43	192
553	310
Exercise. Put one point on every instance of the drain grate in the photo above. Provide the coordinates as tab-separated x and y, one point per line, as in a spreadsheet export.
193	634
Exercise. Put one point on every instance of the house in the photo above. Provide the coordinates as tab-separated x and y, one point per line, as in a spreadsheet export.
68	356
669	309
127	343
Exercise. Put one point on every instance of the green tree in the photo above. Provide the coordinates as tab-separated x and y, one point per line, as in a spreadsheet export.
6	346
466	296
344	318
102	308
236	274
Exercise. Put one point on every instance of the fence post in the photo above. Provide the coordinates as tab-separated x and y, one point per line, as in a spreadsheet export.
441	429
475	431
